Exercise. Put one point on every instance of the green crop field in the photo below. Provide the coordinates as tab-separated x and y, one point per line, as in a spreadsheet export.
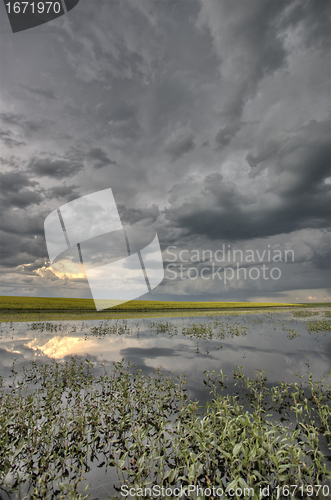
26	304
58	309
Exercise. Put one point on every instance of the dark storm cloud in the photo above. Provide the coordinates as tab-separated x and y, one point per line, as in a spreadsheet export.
8	140
224	136
296	172
22	199
301	163
249	37
14	181
55	168
179	146
12	161
22	220
144	73
297	169
19	249
25	125
314	19
133	216
12	118
151	85
235	221
47	93
101	158
247	40
321	256
20	223
68	193
22	234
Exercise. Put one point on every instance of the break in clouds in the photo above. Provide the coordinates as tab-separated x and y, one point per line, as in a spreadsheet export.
208	119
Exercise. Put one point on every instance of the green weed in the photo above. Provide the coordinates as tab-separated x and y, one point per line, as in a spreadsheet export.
58	419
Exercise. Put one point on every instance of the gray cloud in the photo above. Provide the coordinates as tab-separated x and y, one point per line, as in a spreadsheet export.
14	181
297	169
314	20
23	199
216	112
180	145
12	161
224	136
27	126
55	168
131	216
218	209
18	248
101	158
47	93
247	40
8	140
68	193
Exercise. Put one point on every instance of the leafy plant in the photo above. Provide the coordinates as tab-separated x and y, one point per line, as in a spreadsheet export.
59	419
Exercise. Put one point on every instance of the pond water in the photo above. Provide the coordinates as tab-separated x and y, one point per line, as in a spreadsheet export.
279	343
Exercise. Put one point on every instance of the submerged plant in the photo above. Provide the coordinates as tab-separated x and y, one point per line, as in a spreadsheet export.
319	326
60	419
305	314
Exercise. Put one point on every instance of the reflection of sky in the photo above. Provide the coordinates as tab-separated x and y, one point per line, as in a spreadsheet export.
266	346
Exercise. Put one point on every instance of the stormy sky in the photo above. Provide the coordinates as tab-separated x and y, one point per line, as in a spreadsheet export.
210	121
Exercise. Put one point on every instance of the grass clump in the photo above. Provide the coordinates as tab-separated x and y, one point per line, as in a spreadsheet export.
305	314
59	420
319	326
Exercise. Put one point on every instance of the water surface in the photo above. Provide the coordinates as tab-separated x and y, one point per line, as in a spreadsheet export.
279	343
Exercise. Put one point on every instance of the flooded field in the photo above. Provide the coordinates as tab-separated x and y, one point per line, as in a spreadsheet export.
279	343
284	345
